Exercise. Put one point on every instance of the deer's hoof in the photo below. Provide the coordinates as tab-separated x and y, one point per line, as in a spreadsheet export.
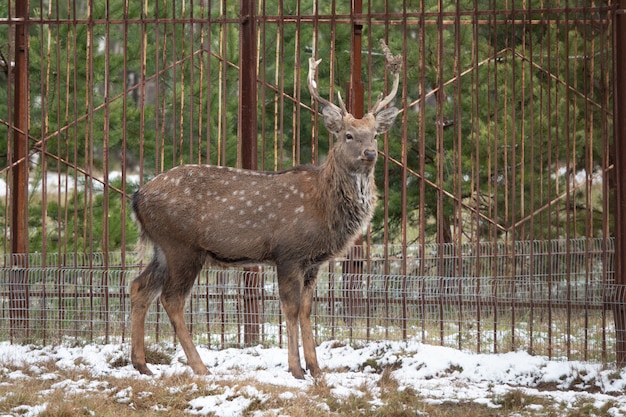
200	370
142	368
297	373
315	371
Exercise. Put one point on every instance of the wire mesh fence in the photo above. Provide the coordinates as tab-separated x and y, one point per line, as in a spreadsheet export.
502	301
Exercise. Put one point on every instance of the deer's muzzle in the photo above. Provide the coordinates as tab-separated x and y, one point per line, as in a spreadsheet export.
369	155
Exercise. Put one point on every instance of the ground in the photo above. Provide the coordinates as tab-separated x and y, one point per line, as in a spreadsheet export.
372	379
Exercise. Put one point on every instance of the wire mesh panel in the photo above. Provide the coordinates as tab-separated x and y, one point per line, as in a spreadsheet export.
80	300
493	229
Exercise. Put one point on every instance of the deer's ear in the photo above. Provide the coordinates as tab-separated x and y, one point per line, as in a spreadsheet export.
385	119
333	120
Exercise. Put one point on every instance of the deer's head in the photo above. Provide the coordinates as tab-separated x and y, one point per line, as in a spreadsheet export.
356	147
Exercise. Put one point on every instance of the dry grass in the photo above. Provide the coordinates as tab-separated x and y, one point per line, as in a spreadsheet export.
74	393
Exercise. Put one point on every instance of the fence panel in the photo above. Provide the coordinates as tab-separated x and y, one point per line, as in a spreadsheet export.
85	300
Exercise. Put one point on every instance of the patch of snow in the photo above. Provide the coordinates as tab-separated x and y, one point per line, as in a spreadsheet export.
437	374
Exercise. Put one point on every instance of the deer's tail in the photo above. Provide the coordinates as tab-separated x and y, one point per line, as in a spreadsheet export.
144	239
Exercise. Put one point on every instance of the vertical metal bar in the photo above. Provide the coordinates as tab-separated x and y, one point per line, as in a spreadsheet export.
588	214
356	89
208	40
192	82
619	69
443	226
403	179
422	171
44	191
516	163
262	70
178	90
279	104
458	223
125	85
385	202
108	83
511	166
223	91
332	283
248	135
476	179
368	254
607	260
353	265
547	110
19	191
531	251
570	222
295	116
143	47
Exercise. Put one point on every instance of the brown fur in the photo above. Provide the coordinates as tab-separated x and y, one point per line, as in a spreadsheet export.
295	219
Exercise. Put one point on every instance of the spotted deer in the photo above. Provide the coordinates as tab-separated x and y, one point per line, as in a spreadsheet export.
294	219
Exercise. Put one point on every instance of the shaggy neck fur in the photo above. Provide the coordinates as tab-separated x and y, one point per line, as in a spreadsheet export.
347	200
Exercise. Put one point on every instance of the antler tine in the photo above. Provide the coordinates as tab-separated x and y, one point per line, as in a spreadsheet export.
382	102
393	64
341	103
313	87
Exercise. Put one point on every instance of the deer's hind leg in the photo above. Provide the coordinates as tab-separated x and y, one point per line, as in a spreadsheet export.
182	275
143	290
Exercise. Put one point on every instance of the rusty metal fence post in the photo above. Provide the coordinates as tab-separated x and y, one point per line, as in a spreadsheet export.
352	267
248	133
19	190
620	180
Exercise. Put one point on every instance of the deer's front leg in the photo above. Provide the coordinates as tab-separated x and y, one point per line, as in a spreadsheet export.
174	306
308	341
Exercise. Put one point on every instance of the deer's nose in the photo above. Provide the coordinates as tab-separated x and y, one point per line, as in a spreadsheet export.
370	154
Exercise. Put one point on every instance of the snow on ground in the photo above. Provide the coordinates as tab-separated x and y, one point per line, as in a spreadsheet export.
436	373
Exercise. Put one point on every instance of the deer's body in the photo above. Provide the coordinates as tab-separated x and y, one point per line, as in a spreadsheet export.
271	216
295	219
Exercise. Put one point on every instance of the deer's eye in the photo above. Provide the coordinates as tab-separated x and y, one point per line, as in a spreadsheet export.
349	136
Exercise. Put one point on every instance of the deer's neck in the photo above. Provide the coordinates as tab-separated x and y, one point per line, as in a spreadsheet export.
347	198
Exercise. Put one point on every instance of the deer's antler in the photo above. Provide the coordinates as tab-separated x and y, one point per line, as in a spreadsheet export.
313	88
393	65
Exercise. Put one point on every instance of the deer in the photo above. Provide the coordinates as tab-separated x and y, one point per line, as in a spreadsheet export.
295	219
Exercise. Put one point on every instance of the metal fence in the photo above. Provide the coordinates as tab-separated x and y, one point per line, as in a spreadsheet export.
494	228
546	297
